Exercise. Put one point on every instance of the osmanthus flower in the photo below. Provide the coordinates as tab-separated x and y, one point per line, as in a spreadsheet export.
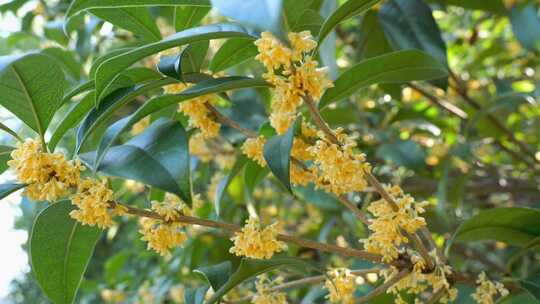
113	296
387	224
256	242
293	73
341	285
418	282
339	169
140	126
487	290
253	148
199	148
265	294
93	199
49	175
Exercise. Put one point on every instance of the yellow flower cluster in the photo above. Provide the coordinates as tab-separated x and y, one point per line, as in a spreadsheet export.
297	75
256	242
93	200
417	282
341	285
338	168
140	126
487	289
48	175
199	148
162	236
196	110
387	224
253	148
265	295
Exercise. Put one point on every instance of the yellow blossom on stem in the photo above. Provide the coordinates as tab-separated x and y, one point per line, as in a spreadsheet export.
256	242
338	168
487	290
93	199
387	224
265	295
253	148
172	206
199	148
161	236
200	116
341	285
140	126
301	43
48	175
175	88
113	296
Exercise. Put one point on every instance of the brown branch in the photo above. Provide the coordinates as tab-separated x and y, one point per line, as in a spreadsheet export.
229	122
384	287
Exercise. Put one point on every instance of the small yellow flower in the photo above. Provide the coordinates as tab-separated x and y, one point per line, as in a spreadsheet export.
49	175
302	43
93	200
199	148
140	126
256	242
341	285
487	290
254	148
161	237
265	295
200	116
175	88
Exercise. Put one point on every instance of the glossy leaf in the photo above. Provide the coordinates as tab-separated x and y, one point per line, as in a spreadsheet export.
263	14
71	119
109	70
224	183
60	249
216	275
195	295
533	288
161	149
231	53
66	59
277	153
515	226
192	57
78	6
214	85
25	89
300	16
7	189
347	10
137	20
250	268
189	16
395	67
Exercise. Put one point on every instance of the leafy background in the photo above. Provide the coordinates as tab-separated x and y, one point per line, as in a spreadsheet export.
468	147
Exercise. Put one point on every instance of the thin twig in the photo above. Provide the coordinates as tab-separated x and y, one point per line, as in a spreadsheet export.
384	287
445	105
229	122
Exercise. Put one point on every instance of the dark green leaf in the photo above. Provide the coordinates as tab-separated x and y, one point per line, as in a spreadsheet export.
249	268
7	189
371	37
78	6
263	14
300	15
72	118
31	88
112	53
109	70
6	129
195	295
231	53
216	275
189	16
80	88
224	183
526	26
395	67
161	149
67	61
192	57
531	287
277	153
253	175
60	249
515	226
137	20
347	10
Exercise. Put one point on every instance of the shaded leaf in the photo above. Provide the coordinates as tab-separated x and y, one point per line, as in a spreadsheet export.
526	26
224	183
195	295
533	288
7	189
60	249
189	16
6	129
5	152
137	20
216	275
231	53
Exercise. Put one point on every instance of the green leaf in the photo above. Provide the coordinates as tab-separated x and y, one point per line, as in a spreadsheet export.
493	6
6	129
371	37
189	16
277	153
137	20
161	149
231	53
195	295
250	268
395	67
7	189
71	119
533	288
110	54
406	153
263	14
192	57
112	103
253	175
216	275
31	88
66	59
224	183
299	16
526	26
214	85
60	249
78	6
347	10
515	226
5	152
109	70
78	89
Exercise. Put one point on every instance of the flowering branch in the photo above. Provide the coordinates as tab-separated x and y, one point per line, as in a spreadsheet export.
384	287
